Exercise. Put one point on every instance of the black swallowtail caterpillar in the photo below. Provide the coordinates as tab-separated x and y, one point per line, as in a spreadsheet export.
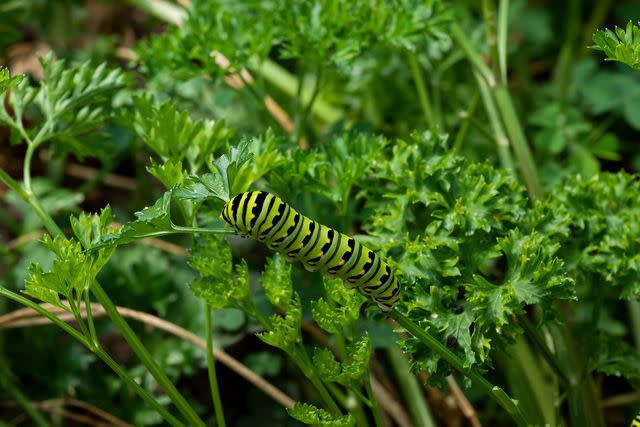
636	421
265	217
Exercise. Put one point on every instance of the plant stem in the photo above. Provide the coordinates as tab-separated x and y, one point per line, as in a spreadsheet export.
500	137
98	351
410	387
60	323
92	328
529	381
511	406
36	416
375	409
423	95
211	363
489	13
466	120
634	314
48	222
519	141
301	358
140	350
287	83
124	375
551	359
503	23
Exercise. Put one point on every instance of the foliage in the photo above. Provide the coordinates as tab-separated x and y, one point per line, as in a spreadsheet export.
408	124
621	45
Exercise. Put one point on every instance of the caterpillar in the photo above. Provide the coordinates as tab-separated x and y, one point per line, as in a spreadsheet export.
267	218
636	421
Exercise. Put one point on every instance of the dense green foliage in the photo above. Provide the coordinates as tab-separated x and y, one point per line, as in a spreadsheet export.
495	175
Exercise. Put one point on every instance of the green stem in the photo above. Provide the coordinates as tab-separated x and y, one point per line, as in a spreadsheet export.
474	57
466	121
512	407
551	359
410	387
519	141
211	363
140	350
48	222
92	328
302	359
373	403
500	137
503	24
489	13
634	313
26	172
124	375
22	400
98	351
530	382
423	95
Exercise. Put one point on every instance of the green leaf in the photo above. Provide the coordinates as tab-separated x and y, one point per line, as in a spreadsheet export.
7	81
309	414
621	45
173	135
229	167
284	332
151	220
276	281
211	257
170	173
74	100
72	272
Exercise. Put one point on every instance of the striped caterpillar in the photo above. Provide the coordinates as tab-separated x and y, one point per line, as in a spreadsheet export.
265	217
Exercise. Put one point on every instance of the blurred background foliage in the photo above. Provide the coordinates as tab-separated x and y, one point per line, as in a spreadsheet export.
580	114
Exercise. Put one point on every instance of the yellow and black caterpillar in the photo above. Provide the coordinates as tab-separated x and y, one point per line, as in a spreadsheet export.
270	220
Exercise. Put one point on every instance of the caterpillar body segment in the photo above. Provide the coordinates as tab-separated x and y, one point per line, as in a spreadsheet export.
267	218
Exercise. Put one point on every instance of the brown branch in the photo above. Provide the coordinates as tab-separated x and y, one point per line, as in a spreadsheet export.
621	399
463	403
52	405
18	319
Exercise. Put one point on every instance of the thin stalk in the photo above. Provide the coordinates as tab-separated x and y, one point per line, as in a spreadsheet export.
211	363
124	375
141	351
410	387
584	406
98	351
26	172
529	382
92	328
550	358
466	121
519	141
48	222
55	319
500	137
499	395
287	83
423	95
634	313
36	416
489	13
476	60
375	409
503	24
304	363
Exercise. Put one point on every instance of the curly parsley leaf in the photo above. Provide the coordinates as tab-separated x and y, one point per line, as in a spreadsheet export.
310	415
